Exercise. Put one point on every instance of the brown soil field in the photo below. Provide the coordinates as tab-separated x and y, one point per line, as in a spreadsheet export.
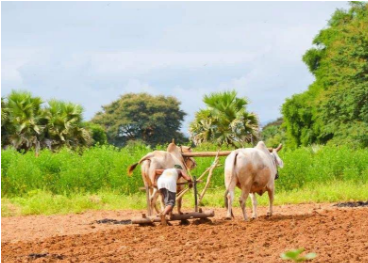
335	234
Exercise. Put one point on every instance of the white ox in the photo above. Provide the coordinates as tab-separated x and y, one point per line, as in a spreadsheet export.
163	160
253	170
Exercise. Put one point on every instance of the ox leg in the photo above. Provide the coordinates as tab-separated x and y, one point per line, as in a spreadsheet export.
157	194
242	200
162	203
153	199
254	205
229	199
179	203
270	196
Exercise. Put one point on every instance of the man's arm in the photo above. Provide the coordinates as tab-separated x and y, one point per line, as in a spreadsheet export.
159	172
185	176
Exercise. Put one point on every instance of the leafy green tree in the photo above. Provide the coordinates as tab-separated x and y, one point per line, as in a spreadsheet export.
273	133
335	107
97	132
152	119
224	121
25	124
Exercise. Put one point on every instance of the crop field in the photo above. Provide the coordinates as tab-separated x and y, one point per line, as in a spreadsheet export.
105	169
68	181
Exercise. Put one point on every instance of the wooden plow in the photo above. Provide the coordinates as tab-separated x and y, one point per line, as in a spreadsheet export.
198	197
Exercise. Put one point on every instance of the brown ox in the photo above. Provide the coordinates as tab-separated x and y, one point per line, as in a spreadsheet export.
253	170
163	160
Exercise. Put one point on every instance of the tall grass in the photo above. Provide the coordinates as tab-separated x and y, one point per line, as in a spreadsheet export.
104	168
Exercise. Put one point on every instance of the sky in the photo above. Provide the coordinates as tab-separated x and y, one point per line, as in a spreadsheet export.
90	53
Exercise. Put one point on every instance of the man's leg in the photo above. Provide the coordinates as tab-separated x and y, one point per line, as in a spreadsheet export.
167	210
169	198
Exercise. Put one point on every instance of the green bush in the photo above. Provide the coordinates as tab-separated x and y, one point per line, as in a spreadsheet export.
104	168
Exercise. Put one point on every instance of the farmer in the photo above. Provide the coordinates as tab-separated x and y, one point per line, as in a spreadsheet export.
166	184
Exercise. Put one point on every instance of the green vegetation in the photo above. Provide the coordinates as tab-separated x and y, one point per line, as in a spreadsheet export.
41	202
335	107
152	119
295	255
273	133
67	181
104	168
26	125
225	121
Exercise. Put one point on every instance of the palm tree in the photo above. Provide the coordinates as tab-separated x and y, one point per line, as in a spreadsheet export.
25	124
23	117
225	121
64	125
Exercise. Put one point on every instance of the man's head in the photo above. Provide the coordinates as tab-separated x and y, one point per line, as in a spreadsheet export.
177	166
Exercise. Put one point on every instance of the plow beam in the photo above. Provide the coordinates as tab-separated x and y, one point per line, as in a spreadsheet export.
206	154
205	214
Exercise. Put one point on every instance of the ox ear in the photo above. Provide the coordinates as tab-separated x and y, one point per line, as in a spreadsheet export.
270	150
279	147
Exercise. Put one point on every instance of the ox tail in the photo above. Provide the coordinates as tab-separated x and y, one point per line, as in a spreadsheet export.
232	160
133	166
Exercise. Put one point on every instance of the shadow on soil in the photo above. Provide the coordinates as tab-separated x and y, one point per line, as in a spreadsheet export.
352	204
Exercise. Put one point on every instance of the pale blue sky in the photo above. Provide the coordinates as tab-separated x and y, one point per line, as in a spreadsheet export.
92	52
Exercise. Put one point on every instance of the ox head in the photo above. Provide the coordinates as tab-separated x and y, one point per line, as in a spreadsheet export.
189	162
277	159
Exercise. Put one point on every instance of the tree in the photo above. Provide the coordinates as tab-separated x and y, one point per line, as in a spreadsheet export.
25	124
335	107
22	127
224	121
97	132
153	119
63	125
273	133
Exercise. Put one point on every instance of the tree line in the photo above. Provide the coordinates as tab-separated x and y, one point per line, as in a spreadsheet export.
29	122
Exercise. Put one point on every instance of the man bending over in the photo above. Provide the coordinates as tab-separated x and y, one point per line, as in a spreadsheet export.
166	184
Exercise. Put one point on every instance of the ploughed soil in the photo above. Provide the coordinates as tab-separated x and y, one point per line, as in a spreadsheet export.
336	234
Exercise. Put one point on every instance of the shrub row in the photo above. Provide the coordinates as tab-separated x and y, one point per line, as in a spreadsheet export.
104	168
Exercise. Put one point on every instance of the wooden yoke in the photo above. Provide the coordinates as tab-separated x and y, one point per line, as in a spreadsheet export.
206	154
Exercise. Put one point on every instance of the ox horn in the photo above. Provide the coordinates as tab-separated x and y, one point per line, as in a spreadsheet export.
173	141
279	147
